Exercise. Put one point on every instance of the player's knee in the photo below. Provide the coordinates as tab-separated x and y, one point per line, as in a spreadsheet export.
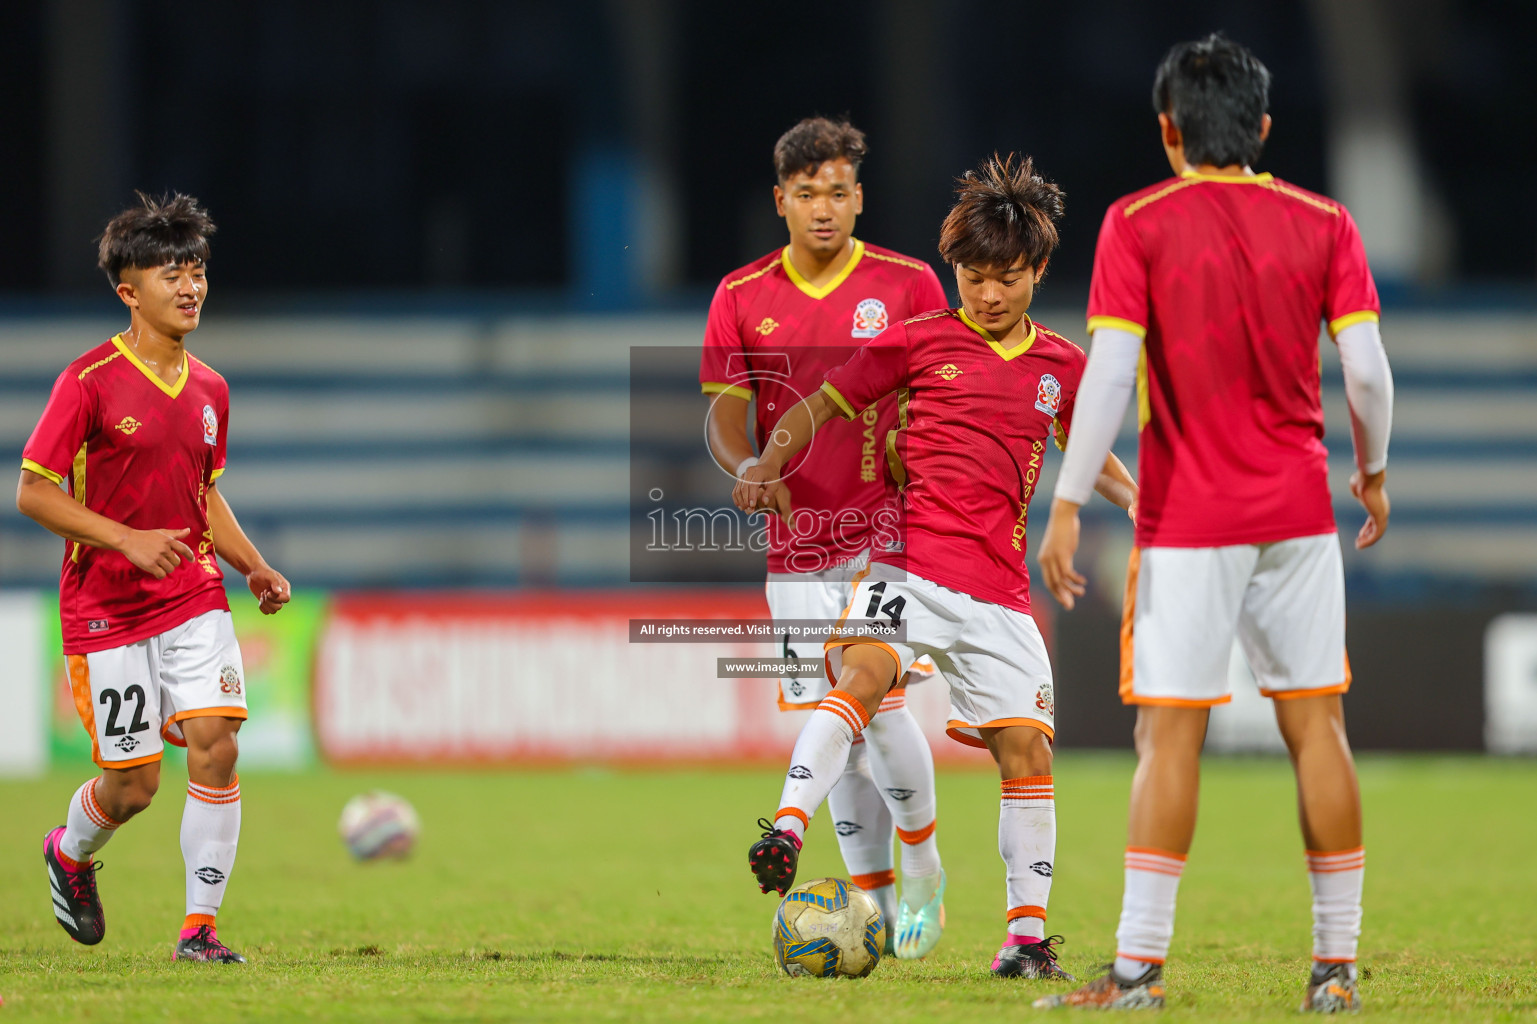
134	792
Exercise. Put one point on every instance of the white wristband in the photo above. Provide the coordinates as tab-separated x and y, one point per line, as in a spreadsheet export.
742	467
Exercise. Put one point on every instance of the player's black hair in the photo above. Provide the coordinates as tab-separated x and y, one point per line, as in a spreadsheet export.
1006	211
813	142
171	229
1216	93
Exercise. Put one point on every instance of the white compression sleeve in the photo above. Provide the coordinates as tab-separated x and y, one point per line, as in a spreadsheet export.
1106	388
1369	390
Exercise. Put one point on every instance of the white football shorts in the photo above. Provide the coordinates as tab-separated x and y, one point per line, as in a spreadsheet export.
809	595
1285	601
993	657
132	698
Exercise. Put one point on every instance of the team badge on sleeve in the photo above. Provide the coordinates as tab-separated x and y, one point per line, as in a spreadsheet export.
1049	395
210	425
869	319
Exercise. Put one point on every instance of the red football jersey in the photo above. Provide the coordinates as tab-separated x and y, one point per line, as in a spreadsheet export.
975	419
143	453
1227	279
774	336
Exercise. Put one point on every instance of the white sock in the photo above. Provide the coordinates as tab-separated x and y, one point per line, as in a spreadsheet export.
821	753
864	830
1027	841
1147	909
210	831
1336	881
903	766
87	827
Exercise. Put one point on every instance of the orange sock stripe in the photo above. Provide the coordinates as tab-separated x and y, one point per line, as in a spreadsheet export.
233	799
847	708
1162	862
874	880
1015	913
1153	851
69	862
892	704
918	835
93	810
793	812
1334	959
198	920
1361	850
1140	958
1358	866
1029	780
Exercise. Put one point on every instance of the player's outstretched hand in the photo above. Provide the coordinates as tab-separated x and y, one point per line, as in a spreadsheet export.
156	552
1057	550
1373	496
270	588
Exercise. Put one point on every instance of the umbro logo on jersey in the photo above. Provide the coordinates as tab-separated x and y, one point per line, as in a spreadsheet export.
767	327
129	425
128	744
800	771
949	371
847	828
1042	868
901	794
211	876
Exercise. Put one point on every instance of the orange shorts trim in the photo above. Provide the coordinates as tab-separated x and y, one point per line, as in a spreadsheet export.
226	712
1322	691
954	726
785	705
1173	702
1128	618
1015	913
852	641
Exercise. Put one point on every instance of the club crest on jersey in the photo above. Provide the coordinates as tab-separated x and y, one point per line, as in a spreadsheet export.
1049	395
869	319
210	425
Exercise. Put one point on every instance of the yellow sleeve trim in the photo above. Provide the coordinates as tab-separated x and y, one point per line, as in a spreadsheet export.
838	400
714	388
1350	319
216	473
41	470
1117	324
1059	434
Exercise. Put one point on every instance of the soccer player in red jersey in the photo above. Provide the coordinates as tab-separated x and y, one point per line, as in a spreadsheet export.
136	430
1207	295
983	389
776	326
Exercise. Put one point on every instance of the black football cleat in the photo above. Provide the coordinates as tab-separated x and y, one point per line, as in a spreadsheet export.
205	946
774	858
76	902
1031	960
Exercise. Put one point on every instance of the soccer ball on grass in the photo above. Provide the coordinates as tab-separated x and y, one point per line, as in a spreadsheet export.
378	824
828	928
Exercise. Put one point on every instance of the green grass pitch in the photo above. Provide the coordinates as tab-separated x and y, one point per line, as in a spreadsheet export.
624	895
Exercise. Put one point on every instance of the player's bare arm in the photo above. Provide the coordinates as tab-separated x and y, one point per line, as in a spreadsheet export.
760	487
157	552
231	544
725	428
1060	544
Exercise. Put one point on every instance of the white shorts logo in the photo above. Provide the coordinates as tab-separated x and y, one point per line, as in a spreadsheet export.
1049	395
210	425
869	319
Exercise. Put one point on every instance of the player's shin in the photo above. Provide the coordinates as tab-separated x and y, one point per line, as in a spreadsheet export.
210	832
87	828
903	766
865	831
821	752
1027	841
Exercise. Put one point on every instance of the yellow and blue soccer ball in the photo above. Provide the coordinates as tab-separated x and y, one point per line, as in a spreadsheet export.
828	928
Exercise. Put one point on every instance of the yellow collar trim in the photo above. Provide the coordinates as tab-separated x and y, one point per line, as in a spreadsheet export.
1005	353
831	286
1236	179
171	389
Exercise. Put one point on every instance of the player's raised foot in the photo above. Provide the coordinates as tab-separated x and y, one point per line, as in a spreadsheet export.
1332	989
202	943
773	858
918	931
1030	958
1109	992
76	902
